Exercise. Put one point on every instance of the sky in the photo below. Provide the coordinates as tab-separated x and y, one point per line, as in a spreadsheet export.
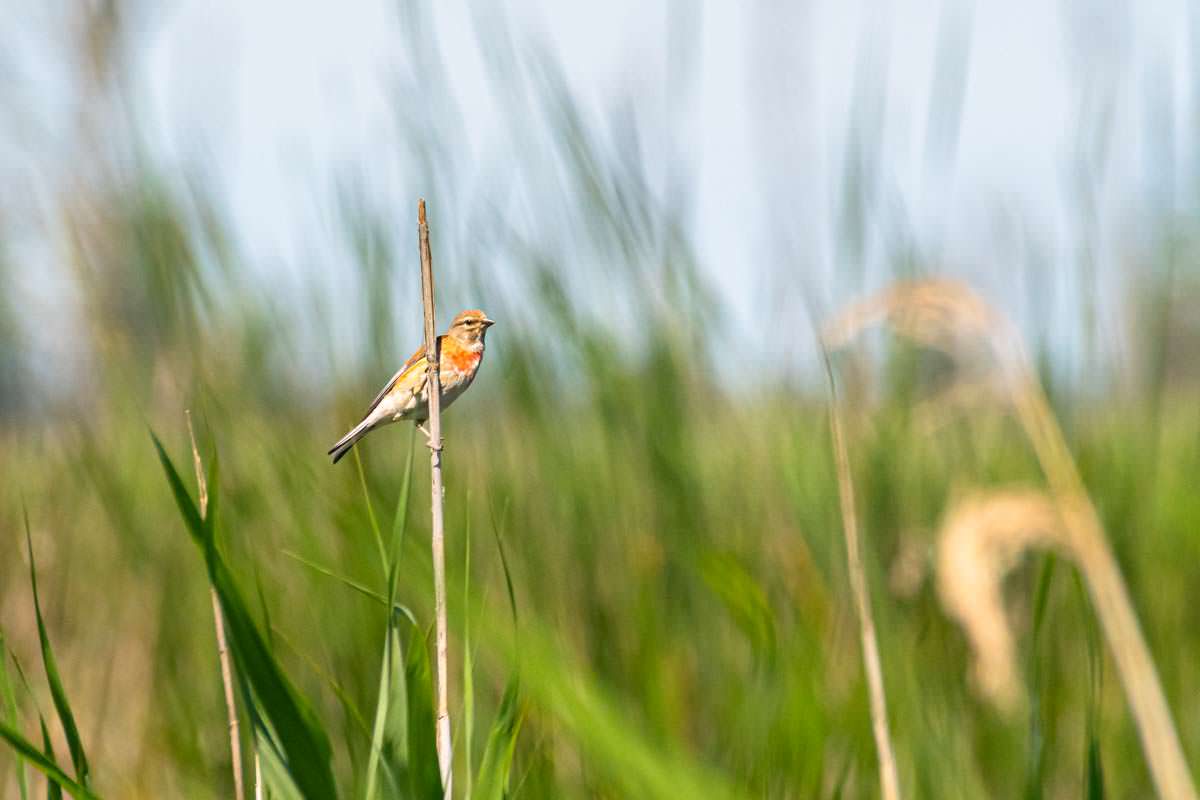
278	100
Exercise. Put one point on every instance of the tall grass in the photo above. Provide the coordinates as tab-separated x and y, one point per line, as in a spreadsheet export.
691	594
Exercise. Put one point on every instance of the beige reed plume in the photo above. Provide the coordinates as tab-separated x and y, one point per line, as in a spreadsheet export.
948	316
983	537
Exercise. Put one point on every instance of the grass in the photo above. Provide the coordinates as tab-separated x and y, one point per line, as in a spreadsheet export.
682	617
667	582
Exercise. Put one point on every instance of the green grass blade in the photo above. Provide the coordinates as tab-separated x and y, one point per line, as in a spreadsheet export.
275	776
187	509
843	779
381	706
637	764
362	481
303	740
42	762
389	737
1095	771
508	583
350	583
9	695
742	597
400	518
1042	594
1035	759
468	729
338	690
305	747
501	744
1094	778
61	704
424	780
214	497
263	606
53	790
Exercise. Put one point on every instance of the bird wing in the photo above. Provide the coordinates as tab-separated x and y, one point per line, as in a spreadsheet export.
415	365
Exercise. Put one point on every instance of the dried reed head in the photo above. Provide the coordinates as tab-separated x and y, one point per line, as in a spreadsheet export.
990	367
941	314
982	539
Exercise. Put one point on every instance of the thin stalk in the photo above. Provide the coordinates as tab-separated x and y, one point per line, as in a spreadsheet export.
433	384
1135	666
888	781
383	554
235	750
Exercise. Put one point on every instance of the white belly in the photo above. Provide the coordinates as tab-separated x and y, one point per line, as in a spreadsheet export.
416	407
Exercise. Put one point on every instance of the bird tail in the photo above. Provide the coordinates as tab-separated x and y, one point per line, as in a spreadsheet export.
348	441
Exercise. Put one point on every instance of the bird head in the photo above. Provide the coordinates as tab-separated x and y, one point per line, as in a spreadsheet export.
469	327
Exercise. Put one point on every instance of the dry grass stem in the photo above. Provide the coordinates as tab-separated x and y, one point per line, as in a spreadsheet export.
888	780
235	750
948	316
433	382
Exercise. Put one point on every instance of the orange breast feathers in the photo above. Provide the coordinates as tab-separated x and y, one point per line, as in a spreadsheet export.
456	358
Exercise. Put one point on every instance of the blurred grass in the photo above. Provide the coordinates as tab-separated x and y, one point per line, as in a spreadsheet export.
672	545
680	552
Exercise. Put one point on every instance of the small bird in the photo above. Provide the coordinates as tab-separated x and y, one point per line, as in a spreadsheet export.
405	395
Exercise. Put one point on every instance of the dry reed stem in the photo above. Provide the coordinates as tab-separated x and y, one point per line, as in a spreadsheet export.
235	750
433	384
946	315
888	781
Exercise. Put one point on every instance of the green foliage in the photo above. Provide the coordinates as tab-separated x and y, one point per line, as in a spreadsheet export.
26	752
420	771
286	725
9	697
54	779
1095	772
641	662
44	762
501	745
389	740
61	704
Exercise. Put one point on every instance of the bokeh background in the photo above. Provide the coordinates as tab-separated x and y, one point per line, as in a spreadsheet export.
211	206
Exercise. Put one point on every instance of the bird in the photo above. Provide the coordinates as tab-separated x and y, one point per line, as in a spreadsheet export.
405	396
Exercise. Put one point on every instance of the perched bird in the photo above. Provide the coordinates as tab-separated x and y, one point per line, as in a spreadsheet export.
405	395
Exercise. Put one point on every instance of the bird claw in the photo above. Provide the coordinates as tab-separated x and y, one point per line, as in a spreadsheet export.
429	437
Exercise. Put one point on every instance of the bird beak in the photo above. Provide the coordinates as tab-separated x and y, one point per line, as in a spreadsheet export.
487	323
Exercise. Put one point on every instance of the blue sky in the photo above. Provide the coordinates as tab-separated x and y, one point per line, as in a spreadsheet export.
278	99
